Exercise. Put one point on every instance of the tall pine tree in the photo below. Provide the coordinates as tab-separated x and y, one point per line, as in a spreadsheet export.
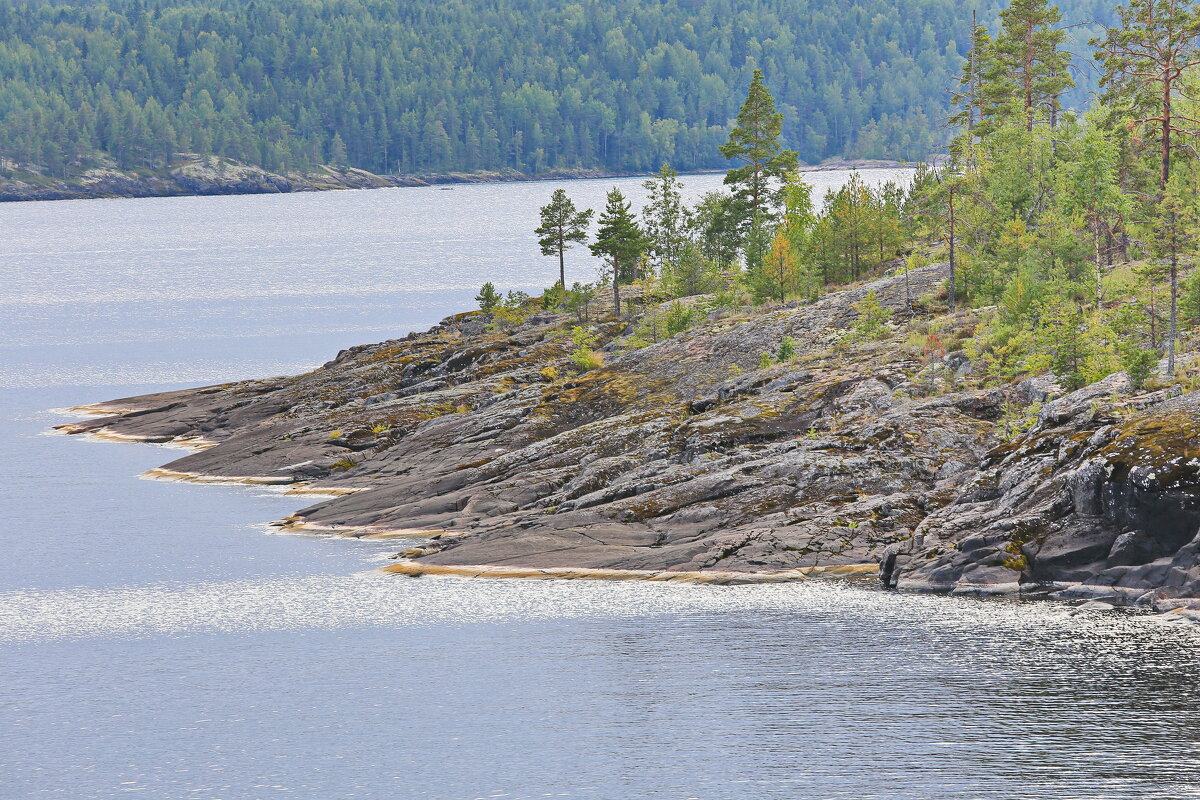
620	240
755	142
562	224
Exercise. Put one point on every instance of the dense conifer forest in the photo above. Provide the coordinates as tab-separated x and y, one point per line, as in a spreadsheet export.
535	86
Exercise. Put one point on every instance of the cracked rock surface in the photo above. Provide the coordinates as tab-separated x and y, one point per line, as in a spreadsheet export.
684	455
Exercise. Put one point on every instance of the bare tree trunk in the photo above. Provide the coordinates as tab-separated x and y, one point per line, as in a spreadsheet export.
562	269
1153	319
1174	312
953	275
617	286
907	291
1028	77
1099	265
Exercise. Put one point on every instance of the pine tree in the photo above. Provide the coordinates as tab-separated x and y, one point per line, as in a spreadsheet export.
1092	191
562	224
1144	62
1063	339
1176	229
692	273
665	219
488	298
755	141
337	151
620	240
969	94
1026	71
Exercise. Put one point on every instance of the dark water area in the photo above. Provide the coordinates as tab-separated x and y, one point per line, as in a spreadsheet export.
157	640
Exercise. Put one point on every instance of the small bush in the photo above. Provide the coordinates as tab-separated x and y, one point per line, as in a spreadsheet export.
1016	418
549	373
579	298
382	427
335	434
584	356
587	361
516	300
554	297
344	465
787	350
1139	364
679	318
872	321
765	361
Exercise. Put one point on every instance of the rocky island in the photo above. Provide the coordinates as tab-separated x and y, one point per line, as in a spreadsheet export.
696	457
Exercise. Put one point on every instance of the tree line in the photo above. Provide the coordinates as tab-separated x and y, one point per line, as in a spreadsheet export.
1069	237
1078	228
762	239
622	85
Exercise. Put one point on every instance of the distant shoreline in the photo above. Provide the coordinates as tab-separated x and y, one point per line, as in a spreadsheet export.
200	177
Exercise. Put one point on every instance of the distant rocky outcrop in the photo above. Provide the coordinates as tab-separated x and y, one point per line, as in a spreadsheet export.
485	445
212	175
190	175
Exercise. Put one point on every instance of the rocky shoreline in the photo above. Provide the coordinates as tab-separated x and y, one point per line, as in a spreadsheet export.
691	458
202	176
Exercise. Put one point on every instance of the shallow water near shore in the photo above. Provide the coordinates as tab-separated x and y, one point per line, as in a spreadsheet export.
157	639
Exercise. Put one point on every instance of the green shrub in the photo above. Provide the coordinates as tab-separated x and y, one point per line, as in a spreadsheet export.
488	298
1139	364
1189	300
584	356
1016	418
554	297
872	320
679	318
787	350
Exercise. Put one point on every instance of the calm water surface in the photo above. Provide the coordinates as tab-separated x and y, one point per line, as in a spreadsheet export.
156	640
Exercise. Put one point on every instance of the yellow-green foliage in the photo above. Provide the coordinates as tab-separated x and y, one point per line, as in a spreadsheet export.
1000	350
1016	418
872	320
584	355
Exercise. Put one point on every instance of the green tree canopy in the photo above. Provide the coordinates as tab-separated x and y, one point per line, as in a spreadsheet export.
620	240
561	224
755	142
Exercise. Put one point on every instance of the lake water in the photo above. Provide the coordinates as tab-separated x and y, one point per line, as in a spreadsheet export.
157	641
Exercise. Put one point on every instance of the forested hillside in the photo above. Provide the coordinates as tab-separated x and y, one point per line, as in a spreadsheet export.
423	86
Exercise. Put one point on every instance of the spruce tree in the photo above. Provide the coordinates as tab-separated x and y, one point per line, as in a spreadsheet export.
562	224
620	240
1092	191
755	142
1176	229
